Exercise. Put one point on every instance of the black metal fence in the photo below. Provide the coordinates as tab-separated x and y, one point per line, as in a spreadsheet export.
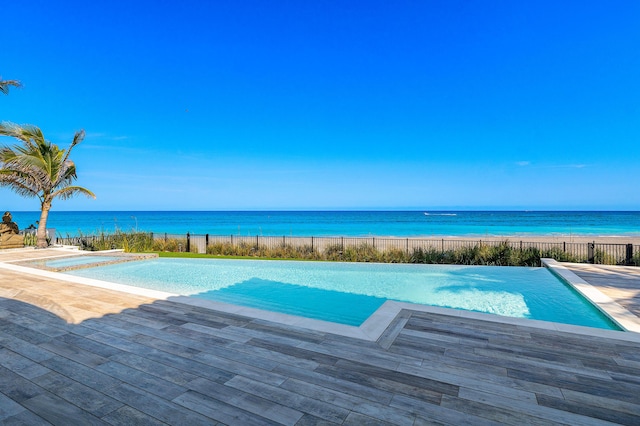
590	252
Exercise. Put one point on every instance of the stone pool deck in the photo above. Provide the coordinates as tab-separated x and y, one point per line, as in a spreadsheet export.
621	283
80	354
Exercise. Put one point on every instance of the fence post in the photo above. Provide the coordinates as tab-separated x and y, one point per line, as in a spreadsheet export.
342	243
629	257
591	252
188	243
257	242
407	245
311	244
206	242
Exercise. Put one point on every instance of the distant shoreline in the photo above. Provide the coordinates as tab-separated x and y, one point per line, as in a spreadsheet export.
601	239
580	239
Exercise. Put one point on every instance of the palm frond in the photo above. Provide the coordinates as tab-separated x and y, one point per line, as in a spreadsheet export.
37	167
22	184
5	84
77	138
24	164
71	191
29	134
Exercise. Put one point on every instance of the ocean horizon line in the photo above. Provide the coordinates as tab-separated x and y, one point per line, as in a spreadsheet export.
344	211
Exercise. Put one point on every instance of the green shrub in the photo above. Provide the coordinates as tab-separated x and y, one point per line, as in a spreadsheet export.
432	256
602	258
128	241
174	245
394	256
30	239
333	252
361	253
283	251
529	256
221	249
560	255
467	255
499	254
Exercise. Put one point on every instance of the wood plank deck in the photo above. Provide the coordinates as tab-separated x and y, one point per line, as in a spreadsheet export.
73	354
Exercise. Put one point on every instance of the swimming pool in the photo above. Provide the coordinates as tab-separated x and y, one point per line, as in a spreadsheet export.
348	293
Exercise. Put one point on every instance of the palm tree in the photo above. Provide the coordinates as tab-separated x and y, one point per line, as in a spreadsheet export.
4	85
38	168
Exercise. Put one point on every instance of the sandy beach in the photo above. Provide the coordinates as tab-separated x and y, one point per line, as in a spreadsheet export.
635	240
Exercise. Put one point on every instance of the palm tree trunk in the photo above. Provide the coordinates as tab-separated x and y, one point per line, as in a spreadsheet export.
41	233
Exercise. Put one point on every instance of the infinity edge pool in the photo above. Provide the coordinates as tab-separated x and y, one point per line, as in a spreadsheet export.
389	316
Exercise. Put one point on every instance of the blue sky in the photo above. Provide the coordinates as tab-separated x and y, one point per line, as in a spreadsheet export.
225	105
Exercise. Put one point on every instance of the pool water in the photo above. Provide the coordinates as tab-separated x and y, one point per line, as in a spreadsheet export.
349	293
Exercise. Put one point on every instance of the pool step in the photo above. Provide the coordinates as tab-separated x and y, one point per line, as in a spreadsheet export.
109	259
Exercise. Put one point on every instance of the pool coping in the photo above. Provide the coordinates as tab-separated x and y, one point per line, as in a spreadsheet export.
117	256
609	307
383	320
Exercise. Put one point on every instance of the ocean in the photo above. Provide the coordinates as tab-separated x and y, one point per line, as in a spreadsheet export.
344	223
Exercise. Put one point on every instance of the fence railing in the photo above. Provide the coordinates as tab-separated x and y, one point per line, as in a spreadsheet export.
590	252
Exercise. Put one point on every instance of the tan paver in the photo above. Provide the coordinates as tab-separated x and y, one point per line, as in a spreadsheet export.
621	283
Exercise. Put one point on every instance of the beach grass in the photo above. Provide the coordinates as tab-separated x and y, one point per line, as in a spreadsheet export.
494	253
187	255
130	242
502	254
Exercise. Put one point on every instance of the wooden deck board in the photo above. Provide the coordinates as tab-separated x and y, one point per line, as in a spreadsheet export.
117	358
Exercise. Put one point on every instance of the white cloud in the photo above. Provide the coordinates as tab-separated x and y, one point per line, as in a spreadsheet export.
569	166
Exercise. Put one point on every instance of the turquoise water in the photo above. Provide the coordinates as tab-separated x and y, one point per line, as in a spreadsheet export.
347	223
349	293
